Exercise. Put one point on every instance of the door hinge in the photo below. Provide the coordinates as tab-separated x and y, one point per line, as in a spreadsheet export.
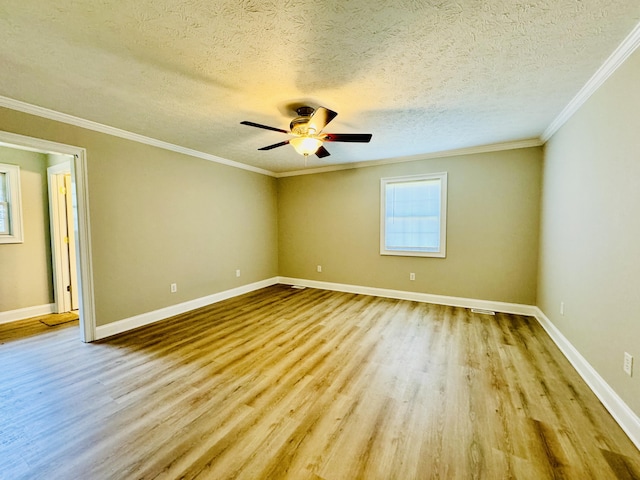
63	191
68	288
66	239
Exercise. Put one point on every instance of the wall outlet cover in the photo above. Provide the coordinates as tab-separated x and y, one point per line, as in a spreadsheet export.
628	364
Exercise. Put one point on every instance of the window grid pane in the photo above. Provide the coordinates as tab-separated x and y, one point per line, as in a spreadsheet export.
412	216
4	218
4	205
3	187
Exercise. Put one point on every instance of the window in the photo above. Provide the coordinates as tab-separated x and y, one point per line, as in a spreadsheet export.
413	215
10	211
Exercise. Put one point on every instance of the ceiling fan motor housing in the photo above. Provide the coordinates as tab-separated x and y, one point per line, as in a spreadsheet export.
300	124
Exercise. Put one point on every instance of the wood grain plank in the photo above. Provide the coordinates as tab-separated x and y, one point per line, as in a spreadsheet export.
303	384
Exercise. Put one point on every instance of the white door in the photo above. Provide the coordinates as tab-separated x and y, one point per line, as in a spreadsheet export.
71	242
63	238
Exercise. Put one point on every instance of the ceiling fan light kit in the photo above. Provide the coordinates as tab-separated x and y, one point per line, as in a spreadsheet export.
305	145
307	130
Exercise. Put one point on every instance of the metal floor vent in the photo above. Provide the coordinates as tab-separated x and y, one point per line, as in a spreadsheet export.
298	287
483	312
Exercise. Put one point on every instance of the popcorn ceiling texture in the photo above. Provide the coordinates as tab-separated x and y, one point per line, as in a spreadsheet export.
421	76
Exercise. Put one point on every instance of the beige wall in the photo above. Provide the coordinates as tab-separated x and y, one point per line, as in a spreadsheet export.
590	229
333	219
158	217
26	279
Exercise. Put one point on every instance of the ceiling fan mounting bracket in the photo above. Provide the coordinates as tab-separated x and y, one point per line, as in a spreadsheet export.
305	111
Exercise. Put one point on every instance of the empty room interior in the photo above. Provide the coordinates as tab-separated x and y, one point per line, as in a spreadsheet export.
319	240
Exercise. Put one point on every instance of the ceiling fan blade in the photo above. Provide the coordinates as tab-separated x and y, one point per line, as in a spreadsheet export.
322	152
347	137
266	127
320	118
275	145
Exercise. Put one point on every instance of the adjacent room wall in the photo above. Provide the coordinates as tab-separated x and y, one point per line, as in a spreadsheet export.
56	159
159	217
590	229
26	279
333	220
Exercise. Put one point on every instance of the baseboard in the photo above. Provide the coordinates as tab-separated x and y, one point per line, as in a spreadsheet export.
515	308
126	324
618	409
28	312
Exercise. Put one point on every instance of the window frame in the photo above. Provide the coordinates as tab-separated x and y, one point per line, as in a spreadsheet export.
442	177
12	176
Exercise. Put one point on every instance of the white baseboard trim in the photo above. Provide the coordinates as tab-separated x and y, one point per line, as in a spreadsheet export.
515	308
28	312
618	409
126	324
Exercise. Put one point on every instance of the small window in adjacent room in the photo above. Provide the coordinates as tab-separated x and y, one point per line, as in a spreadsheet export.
10	210
413	215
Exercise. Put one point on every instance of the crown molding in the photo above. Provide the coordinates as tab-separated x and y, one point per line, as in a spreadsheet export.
611	64
493	147
117	132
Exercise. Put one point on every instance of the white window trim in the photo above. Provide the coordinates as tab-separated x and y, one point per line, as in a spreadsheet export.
443	214
15	206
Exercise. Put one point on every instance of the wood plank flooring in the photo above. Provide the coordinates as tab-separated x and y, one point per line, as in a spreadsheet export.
303	384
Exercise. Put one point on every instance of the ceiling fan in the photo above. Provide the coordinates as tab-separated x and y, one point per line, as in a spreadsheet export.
307	131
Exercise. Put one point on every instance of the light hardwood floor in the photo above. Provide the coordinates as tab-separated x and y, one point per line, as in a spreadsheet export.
303	384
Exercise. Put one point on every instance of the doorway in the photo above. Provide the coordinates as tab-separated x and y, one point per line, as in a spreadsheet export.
73	213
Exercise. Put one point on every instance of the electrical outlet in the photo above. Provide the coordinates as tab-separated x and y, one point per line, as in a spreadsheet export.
238	273
319	268
174	287
412	276
561	308
628	364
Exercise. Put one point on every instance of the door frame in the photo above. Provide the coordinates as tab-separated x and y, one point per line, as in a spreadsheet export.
79	182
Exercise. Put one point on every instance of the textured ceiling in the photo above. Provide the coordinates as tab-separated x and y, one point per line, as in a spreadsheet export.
421	76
